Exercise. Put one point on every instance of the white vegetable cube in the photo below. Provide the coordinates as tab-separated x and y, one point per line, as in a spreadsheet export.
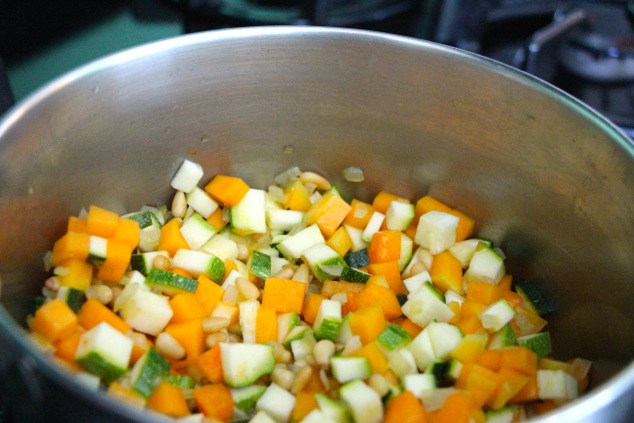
399	215
197	231
187	176
464	250
373	226
364	402
422	350
434	343
143	310
486	265
243	364
444	338
200	263
104	351
355	235
418	383
328	320
249	215
201	202
413	283
248	317
436	231
294	247
556	385
498	314
262	417
222	247
402	362
325	262
277	402
283	220
426	305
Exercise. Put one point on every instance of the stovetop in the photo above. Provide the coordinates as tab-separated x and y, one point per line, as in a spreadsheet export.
585	47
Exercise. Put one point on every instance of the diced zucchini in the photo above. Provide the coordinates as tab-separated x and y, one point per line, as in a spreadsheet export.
434	343
148	372
556	385
505	337
150	229
261	417
407	246
197	231
538	343
453	297
143	262
393	337
436	231
295	333
413	283
445	372
142	309
75	298
328	320
350	274
364	402
325	262
283	220
97	250
345	369
170	283
358	259
486	265
200	263
399	215
285	323
333	409
248	317
498	314
345	333
417	383
304	346
426	305
373	226
356	236
246	398
534	298
145	219
201	202
222	247
182	381
187	176
293	247
249	215
277	402
243	364
402	362
260	264
104	352
464	250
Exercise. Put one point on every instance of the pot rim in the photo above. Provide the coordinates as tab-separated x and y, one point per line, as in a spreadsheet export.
600	397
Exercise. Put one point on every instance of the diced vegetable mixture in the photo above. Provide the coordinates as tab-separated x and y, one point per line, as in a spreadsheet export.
294	304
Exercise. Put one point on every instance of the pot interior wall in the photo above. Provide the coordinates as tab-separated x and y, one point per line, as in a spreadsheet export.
545	179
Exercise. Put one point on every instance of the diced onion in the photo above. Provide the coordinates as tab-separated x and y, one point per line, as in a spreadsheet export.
353	174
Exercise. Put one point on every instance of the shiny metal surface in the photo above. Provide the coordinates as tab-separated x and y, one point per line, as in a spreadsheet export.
547	179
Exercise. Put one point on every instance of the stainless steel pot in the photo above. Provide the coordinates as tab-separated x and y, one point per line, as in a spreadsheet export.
546	178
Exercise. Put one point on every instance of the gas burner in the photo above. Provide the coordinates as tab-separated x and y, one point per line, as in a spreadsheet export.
601	50
383	15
